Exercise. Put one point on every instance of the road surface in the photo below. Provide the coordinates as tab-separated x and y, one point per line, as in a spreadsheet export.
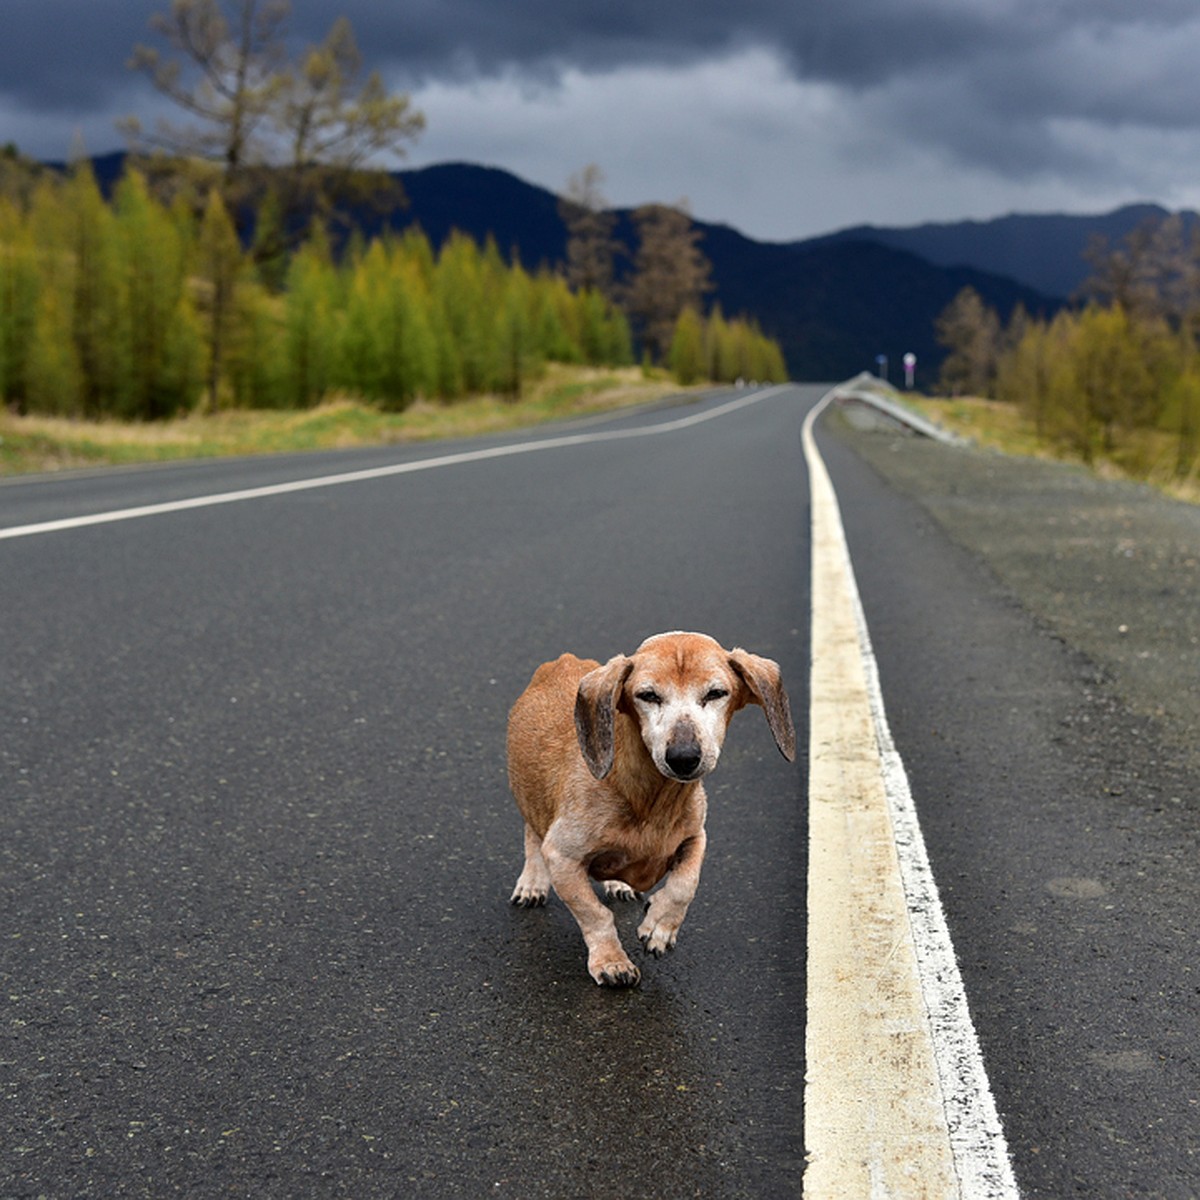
256	843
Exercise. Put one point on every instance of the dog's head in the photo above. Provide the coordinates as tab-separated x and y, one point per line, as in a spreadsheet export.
682	689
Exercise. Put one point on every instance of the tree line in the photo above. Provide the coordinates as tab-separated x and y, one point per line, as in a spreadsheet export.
1116	375
140	309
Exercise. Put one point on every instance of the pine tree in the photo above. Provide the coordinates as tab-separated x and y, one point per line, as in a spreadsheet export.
1113	357
519	353
255	367
313	309
19	175
461	285
410	347
688	358
360	357
54	374
1019	367
100	317
1185	399
219	265
20	286
164	343
389	350
722	342
618	339
269	247
555	325
766	361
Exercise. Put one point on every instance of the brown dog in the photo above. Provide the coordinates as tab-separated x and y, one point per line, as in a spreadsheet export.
605	765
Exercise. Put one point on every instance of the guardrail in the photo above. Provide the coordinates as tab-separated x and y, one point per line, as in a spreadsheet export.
873	392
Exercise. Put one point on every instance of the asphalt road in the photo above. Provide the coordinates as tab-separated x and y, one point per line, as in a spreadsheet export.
256	844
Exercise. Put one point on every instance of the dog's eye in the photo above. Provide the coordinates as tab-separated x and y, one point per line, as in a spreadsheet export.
649	696
713	694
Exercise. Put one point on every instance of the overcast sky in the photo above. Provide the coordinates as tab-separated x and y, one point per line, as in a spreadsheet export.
783	118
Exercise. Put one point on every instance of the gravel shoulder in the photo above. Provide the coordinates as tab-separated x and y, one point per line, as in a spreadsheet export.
1111	568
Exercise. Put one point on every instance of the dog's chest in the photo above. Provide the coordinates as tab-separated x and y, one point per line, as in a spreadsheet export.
641	874
637	864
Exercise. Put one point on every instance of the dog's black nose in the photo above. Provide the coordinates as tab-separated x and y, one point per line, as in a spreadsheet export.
683	759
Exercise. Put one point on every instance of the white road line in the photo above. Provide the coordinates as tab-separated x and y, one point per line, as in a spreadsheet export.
424	464
897	1100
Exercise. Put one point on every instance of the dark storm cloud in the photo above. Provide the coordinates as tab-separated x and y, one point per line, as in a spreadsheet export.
1086	96
860	43
63	55
61	51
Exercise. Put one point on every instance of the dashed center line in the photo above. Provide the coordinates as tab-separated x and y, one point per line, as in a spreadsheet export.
897	1101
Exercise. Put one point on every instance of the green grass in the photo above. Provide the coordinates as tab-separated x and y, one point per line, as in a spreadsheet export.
36	443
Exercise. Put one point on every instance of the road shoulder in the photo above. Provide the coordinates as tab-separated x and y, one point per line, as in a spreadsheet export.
1110	568
1060	822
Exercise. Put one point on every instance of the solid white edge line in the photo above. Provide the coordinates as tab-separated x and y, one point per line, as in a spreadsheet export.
423	464
980	1149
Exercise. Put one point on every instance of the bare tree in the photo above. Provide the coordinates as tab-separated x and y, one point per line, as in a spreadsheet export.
670	273
332	119
233	78
314	120
970	330
591	246
1153	273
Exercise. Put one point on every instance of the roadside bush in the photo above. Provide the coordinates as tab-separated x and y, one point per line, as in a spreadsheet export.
1103	383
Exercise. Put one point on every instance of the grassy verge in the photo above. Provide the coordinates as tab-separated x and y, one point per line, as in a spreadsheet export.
34	443
1005	428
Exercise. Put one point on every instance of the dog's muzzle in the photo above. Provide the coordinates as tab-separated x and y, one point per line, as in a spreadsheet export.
684	757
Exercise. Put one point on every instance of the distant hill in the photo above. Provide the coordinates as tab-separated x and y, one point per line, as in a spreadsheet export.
835	307
833	304
482	201
1043	252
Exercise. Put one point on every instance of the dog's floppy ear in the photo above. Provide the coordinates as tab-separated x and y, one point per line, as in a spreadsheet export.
763	683
595	712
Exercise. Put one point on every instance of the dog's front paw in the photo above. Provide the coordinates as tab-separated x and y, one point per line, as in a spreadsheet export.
528	896
613	970
658	934
614	889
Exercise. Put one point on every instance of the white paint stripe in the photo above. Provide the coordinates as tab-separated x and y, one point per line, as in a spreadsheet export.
424	464
979	1168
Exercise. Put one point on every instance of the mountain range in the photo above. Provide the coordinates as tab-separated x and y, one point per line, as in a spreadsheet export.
835	303
1044	252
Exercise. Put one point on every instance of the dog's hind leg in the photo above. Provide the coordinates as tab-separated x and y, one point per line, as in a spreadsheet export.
533	886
